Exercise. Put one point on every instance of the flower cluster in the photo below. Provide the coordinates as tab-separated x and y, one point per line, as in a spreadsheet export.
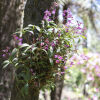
87	66
6	52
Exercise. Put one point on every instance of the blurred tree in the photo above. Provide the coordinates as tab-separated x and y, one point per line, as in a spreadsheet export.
10	19
87	11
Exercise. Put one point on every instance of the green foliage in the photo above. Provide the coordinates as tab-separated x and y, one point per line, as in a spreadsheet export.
41	53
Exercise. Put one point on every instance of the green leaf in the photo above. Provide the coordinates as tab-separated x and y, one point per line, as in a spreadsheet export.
24	89
51	61
27	48
79	41
14	52
30	25
83	36
33	49
45	51
24	45
6	63
38	28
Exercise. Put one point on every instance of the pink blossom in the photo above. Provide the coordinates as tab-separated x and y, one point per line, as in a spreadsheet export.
71	63
4	55
90	78
83	70
60	57
98	74
53	44
65	67
59	35
56	56
42	44
62	72
15	37
46	47
53	12
20	43
95	98
48	13
57	61
47	41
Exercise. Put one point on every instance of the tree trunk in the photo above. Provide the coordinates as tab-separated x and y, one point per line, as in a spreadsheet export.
34	11
10	20
56	93
33	94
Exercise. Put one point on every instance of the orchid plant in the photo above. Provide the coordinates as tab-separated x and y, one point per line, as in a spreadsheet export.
40	53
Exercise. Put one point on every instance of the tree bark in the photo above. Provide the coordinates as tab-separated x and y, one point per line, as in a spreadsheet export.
10	20
56	92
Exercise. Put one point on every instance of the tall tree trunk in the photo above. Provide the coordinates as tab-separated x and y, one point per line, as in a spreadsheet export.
10	20
34	11
56	93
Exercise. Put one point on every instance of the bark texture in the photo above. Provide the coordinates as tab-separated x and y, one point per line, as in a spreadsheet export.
56	93
10	20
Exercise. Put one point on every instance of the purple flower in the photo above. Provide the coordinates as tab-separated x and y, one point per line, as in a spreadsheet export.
65	67
42	44
9	54
57	41
98	74
56	56
20	43
48	13
46	47
53	44
60	57
69	16
67	30
45	17
31	70
15	37
47	41
8	48
53	12
20	39
57	61
4	55
65	11
64	14
71	63
67	46
62	72
59	35
49	19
